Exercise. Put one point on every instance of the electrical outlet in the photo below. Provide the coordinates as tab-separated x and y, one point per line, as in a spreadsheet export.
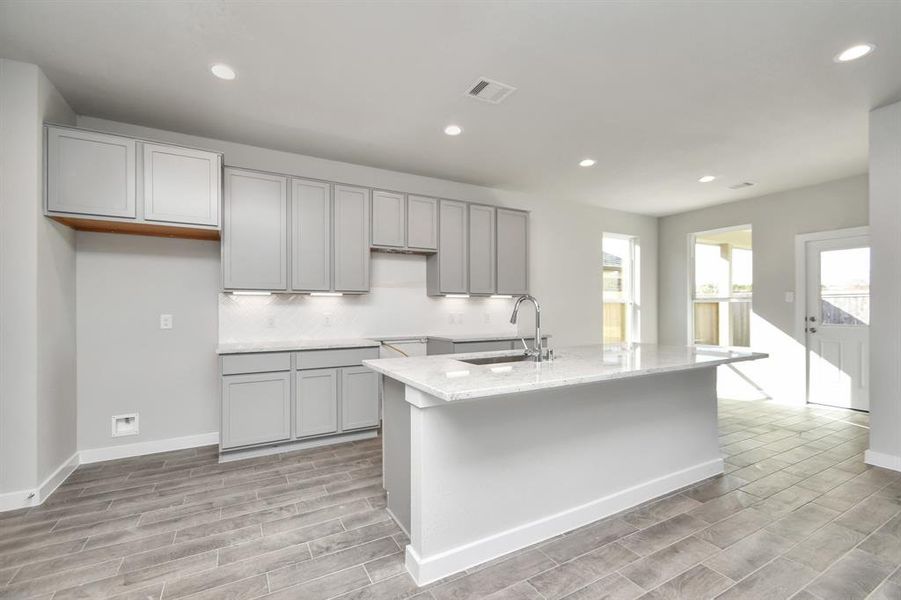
165	321
487	318
270	322
327	319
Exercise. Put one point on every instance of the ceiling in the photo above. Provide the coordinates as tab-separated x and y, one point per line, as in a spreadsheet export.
659	93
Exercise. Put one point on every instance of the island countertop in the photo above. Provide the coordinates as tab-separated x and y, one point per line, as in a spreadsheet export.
449	378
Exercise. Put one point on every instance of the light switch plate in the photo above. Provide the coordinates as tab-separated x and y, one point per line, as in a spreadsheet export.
165	321
789	297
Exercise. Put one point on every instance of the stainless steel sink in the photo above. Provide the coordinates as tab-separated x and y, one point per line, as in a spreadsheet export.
494	360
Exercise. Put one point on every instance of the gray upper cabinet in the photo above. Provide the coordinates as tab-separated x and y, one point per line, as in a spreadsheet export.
255	232
351	231
90	173
482	244
448	270
256	409
512	251
316	409
359	398
422	223
389	219
181	185
311	240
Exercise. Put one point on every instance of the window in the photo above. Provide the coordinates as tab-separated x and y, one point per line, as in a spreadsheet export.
721	301
620	279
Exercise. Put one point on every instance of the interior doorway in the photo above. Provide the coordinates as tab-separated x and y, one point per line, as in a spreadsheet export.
836	319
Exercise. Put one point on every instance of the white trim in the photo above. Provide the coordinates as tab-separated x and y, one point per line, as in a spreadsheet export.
34	497
879	459
233	455
152	447
429	569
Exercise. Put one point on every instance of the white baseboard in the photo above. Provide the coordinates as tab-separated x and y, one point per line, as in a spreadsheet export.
886	461
432	568
152	447
34	497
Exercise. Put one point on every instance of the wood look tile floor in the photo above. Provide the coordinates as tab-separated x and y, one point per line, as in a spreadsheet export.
798	515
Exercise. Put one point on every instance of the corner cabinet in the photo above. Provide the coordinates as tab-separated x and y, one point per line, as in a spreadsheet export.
103	182
255	231
271	398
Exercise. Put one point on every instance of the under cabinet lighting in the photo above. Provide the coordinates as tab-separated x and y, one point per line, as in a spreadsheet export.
250	293
327	294
501	296
456	295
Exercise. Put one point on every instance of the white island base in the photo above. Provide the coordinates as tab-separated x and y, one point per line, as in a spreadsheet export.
472	480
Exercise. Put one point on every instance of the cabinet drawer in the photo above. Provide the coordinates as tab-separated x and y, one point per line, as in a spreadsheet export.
343	357
262	362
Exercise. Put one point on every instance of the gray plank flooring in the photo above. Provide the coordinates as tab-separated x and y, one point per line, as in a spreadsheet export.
799	515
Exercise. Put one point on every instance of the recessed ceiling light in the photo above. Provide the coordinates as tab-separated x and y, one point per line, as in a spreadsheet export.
223	71
706	179
854	52
453	130
587	162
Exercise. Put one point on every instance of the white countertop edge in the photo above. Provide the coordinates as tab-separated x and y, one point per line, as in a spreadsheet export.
294	345
501	390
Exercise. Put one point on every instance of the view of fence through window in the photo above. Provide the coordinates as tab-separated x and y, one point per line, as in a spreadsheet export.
845	286
723	267
620	288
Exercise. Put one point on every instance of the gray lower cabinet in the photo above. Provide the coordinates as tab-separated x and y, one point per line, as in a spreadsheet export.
359	398
256	409
512	251
482	245
351	231
91	173
389	219
311	239
316	407
255	231
422	223
447	272
450	347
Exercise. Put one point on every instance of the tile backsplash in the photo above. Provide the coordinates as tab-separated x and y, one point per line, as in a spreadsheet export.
396	305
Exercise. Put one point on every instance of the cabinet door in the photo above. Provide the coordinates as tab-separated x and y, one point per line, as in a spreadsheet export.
311	254
351	239
486	346
388	219
359	398
316	409
90	173
256	409
181	185
255	232
422	223
452	248
512	251
482	264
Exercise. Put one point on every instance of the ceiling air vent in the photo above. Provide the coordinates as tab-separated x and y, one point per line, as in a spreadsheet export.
489	90
741	185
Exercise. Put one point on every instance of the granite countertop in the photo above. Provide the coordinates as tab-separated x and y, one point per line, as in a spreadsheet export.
289	345
448	378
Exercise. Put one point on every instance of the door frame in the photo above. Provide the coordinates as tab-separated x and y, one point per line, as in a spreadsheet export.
801	241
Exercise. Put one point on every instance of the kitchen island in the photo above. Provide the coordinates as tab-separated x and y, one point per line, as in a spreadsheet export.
485	454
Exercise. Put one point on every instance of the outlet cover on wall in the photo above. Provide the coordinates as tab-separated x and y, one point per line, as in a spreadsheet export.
165	321
125	425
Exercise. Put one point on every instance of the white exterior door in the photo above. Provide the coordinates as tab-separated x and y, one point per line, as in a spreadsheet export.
837	321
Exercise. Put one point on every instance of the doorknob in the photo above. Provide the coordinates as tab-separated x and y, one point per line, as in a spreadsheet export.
812	329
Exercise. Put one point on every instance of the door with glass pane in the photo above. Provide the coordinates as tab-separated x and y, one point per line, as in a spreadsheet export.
837	322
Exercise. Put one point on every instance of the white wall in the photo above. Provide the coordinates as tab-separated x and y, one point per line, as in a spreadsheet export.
775	220
565	253
885	292
37	288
